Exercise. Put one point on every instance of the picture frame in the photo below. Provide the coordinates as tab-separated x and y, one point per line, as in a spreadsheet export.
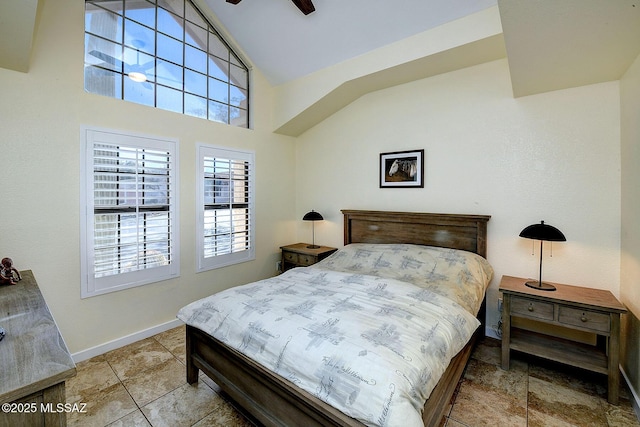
402	169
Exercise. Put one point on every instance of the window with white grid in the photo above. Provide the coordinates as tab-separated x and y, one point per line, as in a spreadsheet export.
129	211
225	205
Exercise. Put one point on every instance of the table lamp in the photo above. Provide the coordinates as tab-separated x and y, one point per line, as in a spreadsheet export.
542	232
313	216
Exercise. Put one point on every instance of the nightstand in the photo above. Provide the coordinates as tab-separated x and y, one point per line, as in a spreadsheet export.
299	255
571	308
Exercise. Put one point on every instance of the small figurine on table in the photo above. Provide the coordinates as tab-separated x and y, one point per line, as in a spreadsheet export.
9	275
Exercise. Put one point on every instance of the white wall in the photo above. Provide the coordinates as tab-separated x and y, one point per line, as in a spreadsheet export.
552	157
630	224
40	117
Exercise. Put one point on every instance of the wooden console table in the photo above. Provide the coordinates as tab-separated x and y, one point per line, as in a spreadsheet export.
35	361
574	308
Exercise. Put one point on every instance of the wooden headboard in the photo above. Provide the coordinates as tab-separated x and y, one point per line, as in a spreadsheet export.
466	232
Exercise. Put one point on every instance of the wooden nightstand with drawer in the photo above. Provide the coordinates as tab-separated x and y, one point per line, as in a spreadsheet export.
570	308
299	255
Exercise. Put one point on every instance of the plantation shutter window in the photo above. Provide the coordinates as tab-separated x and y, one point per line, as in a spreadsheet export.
130	216
225	201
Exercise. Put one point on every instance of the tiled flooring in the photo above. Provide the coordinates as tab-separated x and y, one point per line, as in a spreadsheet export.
144	384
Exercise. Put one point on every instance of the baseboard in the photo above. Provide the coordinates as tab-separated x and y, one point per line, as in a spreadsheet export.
635	400
121	342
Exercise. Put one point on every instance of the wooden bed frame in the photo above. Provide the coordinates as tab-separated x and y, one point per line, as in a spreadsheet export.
273	401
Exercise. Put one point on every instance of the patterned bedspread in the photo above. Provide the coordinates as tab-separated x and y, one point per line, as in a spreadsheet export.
459	275
372	346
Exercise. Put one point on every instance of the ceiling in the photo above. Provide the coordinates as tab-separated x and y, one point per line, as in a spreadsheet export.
17	28
550	44
554	45
285	44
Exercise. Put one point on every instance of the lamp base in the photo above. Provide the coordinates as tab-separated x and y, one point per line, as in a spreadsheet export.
542	286
313	246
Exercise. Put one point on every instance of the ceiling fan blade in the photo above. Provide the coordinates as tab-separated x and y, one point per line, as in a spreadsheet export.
305	6
106	58
148	65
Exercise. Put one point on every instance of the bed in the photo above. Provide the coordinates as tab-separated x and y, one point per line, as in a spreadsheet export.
273	400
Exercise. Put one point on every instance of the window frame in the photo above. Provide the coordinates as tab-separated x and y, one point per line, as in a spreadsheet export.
203	262
217	90
90	284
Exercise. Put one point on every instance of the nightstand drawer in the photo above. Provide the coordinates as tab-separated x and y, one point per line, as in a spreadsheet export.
290	257
305	260
585	319
531	308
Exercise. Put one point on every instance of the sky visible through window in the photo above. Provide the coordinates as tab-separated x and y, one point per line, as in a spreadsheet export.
167	57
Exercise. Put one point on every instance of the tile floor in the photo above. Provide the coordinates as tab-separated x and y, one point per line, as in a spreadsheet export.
144	384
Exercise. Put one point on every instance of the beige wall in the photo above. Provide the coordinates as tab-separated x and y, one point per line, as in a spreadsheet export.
630	223
40	117
552	157
333	87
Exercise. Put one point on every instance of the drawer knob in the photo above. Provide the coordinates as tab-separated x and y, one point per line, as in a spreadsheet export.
530	308
584	317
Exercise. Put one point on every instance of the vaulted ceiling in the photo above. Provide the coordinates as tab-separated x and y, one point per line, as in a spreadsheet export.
553	44
285	44
17	29
550	44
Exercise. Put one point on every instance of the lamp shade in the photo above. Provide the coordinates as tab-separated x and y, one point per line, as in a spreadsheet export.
544	232
312	216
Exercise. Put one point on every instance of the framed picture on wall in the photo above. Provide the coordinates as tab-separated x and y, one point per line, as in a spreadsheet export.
402	169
